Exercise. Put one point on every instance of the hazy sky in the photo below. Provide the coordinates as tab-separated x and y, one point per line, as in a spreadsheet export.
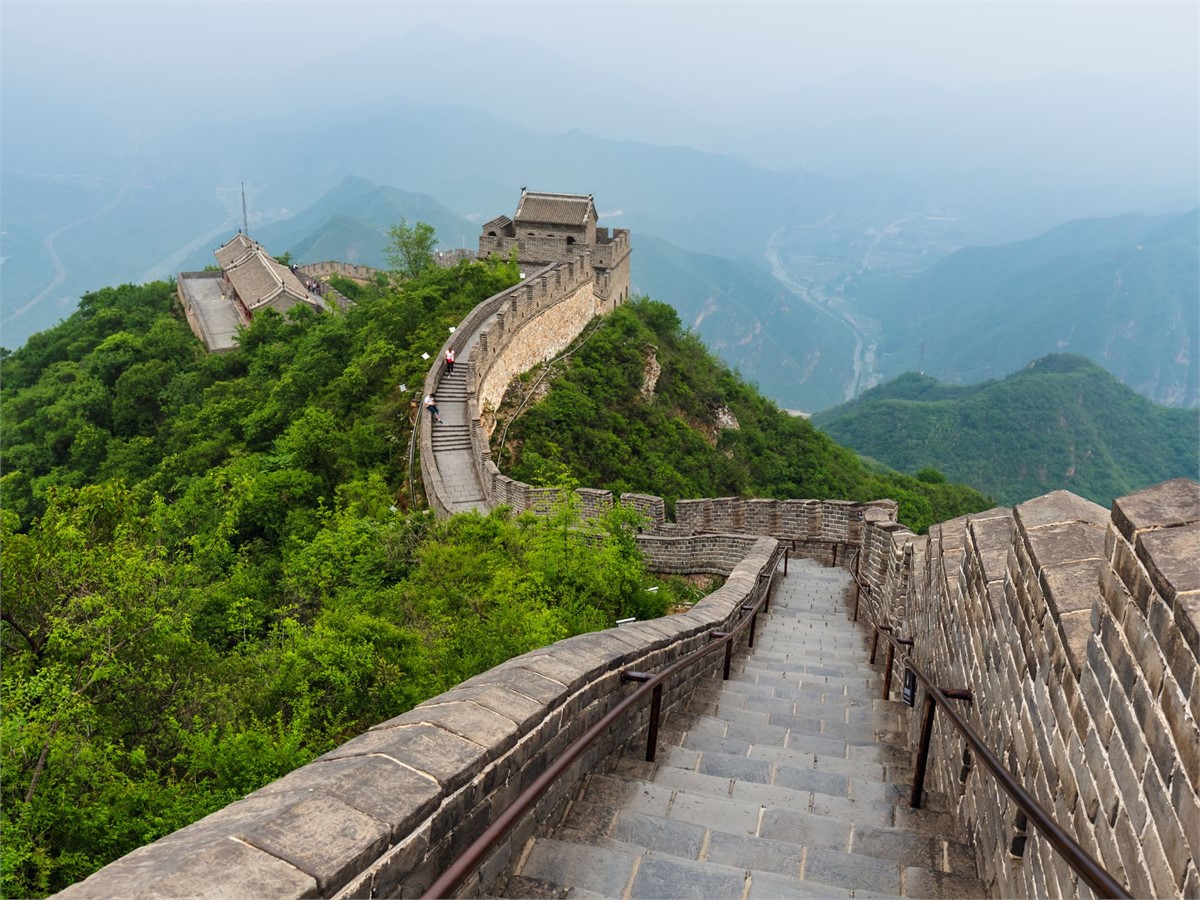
688	47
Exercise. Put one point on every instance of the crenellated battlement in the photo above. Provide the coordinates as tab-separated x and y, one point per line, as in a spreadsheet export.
1077	629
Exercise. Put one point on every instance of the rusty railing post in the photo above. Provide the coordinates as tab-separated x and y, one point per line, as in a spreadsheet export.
652	731
887	671
918	784
875	641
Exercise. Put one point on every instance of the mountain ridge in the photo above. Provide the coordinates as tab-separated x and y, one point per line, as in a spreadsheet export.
1061	422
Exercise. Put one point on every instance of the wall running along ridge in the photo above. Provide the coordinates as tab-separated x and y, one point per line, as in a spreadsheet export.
1077	631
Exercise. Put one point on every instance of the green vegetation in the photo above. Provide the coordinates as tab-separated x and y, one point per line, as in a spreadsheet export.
410	248
210	574
795	353
597	424
1120	291
1063	422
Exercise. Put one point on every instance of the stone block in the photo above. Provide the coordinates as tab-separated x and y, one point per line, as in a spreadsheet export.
1187	619
472	721
1169	504
1166	823
322	837
1186	805
1145	648
450	759
215	869
1169	556
1114	592
375	785
1191	881
1129	729
384	877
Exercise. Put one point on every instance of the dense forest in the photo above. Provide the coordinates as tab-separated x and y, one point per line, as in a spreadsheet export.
210	574
1062	422
698	431
212	571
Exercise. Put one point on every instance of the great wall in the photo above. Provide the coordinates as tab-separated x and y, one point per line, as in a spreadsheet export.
1076	630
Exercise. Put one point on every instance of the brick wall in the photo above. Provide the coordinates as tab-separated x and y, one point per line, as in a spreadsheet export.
1076	629
386	812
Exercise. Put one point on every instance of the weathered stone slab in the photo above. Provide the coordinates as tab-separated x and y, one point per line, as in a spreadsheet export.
659	877
1172	558
1059	508
323	837
376	785
227	869
1071	587
472	721
681	839
450	759
992	534
852	871
1165	505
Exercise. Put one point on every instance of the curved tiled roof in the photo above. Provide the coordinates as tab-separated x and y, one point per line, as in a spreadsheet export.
257	278
555	209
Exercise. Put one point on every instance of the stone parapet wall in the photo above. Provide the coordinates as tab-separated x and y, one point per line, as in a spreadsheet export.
1076	629
347	270
386	813
543	315
654	509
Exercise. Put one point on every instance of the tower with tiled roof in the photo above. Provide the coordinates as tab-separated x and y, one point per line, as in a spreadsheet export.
549	228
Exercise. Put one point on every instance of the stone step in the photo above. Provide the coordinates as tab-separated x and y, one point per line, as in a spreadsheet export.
791	779
643	855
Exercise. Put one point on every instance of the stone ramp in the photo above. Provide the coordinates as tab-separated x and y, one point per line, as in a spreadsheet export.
451	442
789	780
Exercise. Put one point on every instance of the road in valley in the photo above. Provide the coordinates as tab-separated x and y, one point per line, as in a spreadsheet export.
169	265
60	271
865	330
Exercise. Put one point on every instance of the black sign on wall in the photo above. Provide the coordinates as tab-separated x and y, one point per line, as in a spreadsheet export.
909	694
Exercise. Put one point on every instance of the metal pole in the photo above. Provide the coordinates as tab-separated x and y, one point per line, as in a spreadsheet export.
652	731
918	785
887	671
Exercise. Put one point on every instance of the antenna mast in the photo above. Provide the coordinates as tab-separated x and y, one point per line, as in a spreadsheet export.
245	222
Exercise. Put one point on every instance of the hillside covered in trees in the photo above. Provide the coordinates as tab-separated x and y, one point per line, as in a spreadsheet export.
1061	422
210	572
642	405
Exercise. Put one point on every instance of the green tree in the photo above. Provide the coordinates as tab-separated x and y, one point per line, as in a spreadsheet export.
410	248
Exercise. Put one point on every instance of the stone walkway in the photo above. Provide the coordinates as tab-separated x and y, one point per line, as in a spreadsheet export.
452	445
788	780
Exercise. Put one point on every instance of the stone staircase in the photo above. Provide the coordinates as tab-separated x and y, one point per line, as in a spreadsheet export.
789	780
455	434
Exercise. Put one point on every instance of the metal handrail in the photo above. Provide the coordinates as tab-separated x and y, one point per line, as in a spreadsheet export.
651	684
1102	883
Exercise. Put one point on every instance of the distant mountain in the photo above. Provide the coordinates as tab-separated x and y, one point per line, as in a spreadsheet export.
1121	291
1062	422
350	223
798	355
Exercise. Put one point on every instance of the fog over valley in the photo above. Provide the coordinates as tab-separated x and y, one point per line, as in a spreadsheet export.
830	194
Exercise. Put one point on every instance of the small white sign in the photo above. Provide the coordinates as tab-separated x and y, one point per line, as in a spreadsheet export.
453	329
424	356
403	388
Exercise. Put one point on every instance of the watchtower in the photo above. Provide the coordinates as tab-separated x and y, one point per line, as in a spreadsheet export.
549	228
